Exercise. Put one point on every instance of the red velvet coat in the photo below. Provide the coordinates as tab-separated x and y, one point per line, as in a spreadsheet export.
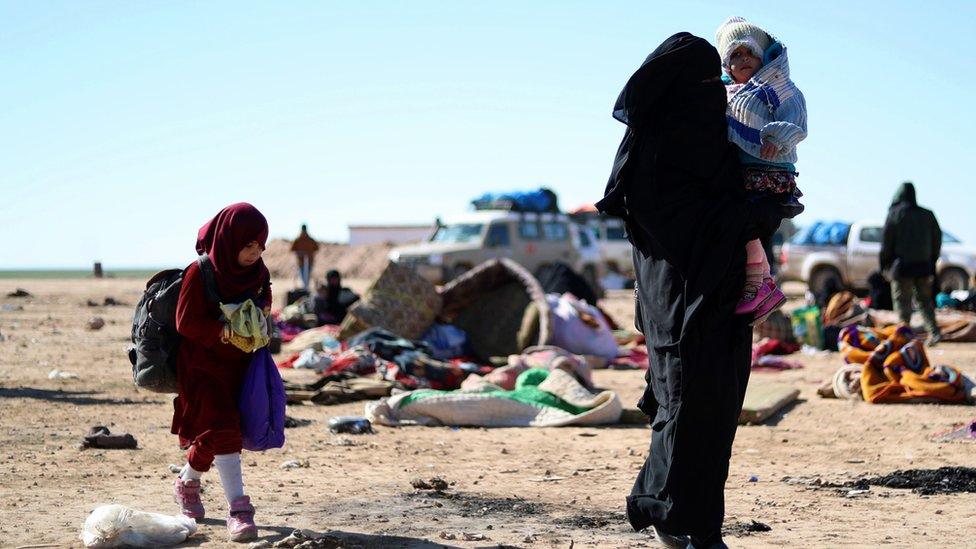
209	373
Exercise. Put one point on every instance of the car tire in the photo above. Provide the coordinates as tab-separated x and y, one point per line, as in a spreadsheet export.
819	279
957	279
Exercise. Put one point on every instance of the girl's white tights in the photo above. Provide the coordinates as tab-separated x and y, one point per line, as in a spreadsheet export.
229	467
189	473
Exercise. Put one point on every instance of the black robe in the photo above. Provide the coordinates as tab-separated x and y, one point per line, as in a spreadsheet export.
677	184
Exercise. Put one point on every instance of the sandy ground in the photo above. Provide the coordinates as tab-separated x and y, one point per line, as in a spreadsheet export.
358	487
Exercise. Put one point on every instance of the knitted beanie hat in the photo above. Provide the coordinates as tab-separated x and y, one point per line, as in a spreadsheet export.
735	32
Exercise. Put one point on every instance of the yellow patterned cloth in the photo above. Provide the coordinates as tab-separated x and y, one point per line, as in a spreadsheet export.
248	325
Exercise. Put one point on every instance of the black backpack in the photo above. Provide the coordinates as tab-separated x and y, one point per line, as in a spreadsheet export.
154	337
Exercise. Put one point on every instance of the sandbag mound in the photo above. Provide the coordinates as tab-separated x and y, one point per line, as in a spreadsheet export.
501	307
400	301
363	261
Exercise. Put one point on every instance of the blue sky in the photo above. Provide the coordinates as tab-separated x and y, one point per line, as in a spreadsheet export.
126	125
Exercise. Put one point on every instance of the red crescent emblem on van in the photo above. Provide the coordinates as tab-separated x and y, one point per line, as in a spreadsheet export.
530	248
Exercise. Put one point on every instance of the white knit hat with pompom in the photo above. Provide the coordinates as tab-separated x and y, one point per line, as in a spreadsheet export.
735	32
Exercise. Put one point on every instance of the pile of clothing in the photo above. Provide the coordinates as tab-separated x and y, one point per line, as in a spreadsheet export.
888	365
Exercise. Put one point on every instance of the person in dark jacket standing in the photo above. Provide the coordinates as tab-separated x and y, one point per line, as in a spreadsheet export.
911	245
677	183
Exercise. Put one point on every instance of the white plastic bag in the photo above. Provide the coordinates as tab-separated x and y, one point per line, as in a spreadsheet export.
121	526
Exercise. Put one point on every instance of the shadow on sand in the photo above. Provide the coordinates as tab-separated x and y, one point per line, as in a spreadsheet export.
333	539
80	398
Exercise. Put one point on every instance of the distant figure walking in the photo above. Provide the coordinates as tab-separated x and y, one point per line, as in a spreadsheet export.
910	248
304	248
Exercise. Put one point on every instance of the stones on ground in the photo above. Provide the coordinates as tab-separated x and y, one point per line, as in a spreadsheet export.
95	323
739	529
300	539
20	292
291	423
462	536
295	464
61	374
436	483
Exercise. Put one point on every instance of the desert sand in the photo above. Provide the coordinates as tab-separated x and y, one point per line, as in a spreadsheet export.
554	487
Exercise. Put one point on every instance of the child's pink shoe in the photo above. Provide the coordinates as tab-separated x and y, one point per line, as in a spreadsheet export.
187	494
774	300
240	521
749	303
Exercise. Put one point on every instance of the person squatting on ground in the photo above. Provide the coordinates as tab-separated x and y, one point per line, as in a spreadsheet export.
677	183
211	365
332	300
910	247
767	118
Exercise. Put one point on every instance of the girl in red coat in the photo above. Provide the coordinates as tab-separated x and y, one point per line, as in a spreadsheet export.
210	367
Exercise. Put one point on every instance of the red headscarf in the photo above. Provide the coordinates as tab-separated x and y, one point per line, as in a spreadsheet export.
223	238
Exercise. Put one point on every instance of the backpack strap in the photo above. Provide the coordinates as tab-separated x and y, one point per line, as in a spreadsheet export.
209	278
210	283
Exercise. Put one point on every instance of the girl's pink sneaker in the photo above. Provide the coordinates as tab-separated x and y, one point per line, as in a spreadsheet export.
187	494
774	300
749	303
240	521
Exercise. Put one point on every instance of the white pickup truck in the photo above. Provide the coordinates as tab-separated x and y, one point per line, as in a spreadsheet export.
848	253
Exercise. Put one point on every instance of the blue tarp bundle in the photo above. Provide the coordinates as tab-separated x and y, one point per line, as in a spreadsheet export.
541	200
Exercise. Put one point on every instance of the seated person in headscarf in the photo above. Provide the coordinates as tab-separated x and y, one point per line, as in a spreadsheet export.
332	301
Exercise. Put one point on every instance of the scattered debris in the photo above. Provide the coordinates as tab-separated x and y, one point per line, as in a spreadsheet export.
8	308
739	529
753	478
463	536
300	539
855	493
175	469
100	437
19	292
112	302
291	423
353	425
547	478
295	464
91	303
60	374
95	323
436	483
944	480
592	521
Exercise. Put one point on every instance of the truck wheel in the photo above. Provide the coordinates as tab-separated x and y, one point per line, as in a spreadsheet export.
821	277
954	278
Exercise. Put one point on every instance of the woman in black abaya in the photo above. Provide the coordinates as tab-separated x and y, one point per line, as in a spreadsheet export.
676	182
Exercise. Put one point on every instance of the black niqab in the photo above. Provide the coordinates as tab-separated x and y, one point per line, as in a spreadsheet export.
677	184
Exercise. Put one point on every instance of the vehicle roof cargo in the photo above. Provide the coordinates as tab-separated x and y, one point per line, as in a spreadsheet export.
541	200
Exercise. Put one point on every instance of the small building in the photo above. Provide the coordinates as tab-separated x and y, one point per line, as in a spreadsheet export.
389	234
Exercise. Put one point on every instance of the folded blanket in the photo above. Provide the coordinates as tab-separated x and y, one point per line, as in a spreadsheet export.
541	399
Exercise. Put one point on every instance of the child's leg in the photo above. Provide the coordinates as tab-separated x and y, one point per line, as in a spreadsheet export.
757	268
231	478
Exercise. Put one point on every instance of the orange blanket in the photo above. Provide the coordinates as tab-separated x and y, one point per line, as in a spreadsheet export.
895	367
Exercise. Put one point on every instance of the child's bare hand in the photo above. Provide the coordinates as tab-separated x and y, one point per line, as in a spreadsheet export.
768	150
